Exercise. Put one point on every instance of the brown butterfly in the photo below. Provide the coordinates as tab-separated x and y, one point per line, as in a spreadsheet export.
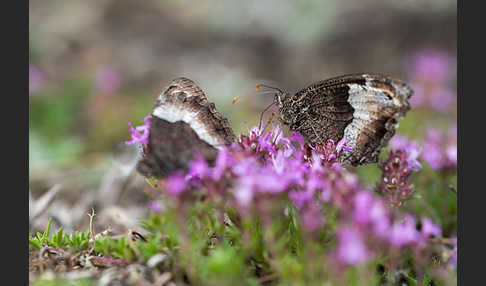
363	108
184	124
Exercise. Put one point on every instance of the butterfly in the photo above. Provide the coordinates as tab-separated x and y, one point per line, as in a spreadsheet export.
364	108
184	125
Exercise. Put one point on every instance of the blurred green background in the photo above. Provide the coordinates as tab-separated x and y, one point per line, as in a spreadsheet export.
96	65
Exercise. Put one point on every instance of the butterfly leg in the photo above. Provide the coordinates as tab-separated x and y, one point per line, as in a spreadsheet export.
315	132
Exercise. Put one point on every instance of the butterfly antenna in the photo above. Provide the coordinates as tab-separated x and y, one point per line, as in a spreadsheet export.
258	86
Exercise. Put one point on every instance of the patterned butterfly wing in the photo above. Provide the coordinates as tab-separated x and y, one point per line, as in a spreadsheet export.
363	107
184	125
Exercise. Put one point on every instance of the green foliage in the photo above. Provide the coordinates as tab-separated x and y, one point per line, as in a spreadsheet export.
42	238
152	246
118	248
76	241
224	266
79	240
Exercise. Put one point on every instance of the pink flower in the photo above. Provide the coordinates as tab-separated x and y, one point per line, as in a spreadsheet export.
351	248
223	161
432	65
342	145
141	133
405	232
363	202
429	229
244	193
155	206
431	72
440	150
107	80
36	79
199	168
176	184
412	148
312	218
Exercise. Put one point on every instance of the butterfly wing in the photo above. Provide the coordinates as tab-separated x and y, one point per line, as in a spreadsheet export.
184	124
363	107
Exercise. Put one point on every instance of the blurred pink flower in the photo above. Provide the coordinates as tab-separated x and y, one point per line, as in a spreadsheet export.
351	247
107	80
155	206
412	148
440	150
176	184
430	229
431	74
312	218
405	232
199	168
432	65
36	79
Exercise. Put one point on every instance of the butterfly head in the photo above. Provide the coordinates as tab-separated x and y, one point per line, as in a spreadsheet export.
281	99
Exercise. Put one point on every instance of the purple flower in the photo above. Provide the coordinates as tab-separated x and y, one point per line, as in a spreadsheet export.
431	72
369	210
429	229
176	184
244	193
363	201
107	80
297	137
300	198
259	173
412	148
36	79
351	248
268	181
380	218
405	232
432	65
312	218
278	162
441	99
440	150
397	170
342	145
141	133
199	168
155	206
223	161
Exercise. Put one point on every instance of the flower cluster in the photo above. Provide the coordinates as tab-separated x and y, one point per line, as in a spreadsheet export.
431	72
372	227
401	163
440	150
264	168
140	134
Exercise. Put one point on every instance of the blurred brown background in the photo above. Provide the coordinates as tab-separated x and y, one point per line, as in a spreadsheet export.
96	65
